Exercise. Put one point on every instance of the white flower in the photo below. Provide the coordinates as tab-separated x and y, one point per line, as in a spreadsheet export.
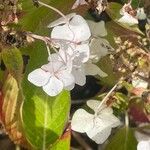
52	77
143	145
76	31
98	125
141	14
143	140
92	69
78	3
127	18
99	48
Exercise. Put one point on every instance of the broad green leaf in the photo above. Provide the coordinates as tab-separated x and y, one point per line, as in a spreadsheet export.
123	140
44	118
13	61
63	143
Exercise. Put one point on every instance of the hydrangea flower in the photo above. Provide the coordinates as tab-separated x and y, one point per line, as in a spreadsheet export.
52	77
97	126
127	16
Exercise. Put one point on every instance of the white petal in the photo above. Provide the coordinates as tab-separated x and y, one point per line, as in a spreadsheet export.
99	48
67	79
53	66
141	136
61	20
143	145
139	83
92	69
99	134
97	28
83	51
77	30
79	76
79	2
128	19
39	77
81	121
62	32
53	87
93	104
141	14
109	120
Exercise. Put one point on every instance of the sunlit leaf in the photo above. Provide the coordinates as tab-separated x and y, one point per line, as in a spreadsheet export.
64	142
44	118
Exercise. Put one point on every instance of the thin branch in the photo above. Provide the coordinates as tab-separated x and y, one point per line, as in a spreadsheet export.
54	9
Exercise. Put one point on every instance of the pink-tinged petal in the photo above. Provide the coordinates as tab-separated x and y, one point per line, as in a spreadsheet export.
67	79
53	66
79	76
53	87
39	77
81	121
78	3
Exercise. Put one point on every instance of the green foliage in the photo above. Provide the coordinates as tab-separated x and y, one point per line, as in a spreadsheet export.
123	140
63	143
13	61
44	118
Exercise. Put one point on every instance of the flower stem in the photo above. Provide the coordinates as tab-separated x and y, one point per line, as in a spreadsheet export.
126	119
54	9
106	97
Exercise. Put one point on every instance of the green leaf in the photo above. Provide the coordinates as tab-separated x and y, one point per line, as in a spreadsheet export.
13	61
63	143
44	118
123	140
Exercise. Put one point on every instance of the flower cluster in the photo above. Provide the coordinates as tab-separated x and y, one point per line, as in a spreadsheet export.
97	126
72	60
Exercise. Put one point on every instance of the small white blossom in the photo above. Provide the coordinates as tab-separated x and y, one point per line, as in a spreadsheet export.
141	14
143	140
127	18
98	125
52	77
